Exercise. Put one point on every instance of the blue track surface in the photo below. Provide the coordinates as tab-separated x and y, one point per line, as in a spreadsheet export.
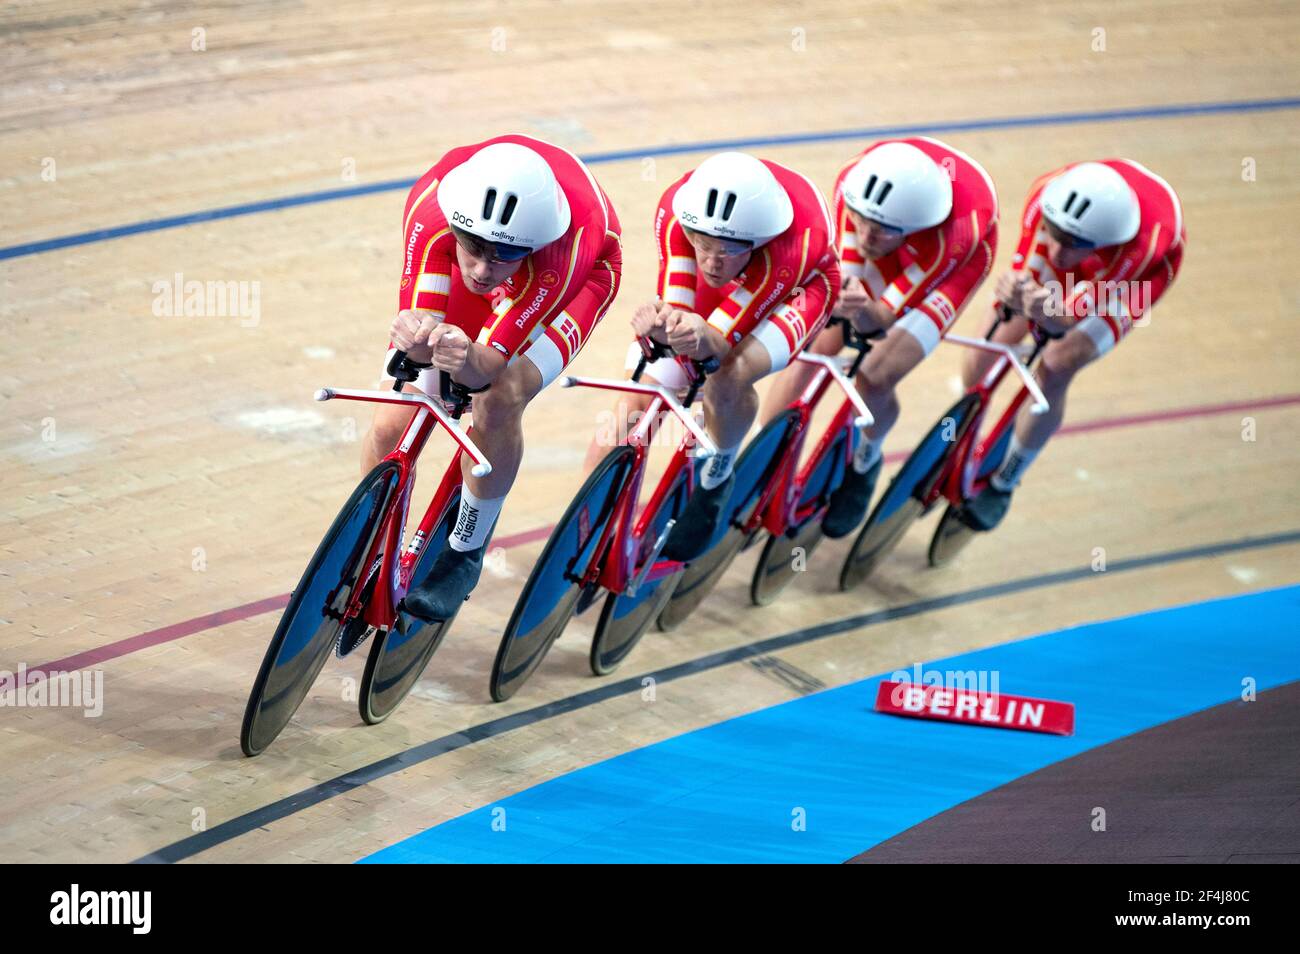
729	793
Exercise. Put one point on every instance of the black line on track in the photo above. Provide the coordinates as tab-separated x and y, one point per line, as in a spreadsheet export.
292	804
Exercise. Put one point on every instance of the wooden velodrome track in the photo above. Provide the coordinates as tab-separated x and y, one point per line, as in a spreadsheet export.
167	478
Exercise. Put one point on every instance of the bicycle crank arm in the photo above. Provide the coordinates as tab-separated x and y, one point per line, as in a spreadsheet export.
637	580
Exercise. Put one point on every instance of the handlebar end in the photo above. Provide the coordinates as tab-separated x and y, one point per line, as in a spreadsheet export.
863	421
323	394
1037	408
481	470
567	381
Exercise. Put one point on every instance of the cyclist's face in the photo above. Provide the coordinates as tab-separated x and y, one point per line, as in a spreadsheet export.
719	261
875	240
481	274
1062	249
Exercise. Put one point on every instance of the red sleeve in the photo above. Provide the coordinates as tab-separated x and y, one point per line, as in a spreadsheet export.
851	261
943	304
747	301
677	269
427	244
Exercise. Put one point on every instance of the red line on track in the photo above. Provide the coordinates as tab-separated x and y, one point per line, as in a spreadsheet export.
189	627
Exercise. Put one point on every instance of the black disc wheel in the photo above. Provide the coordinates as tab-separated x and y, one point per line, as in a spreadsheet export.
755	467
398	656
902	502
311	622
553	592
625	617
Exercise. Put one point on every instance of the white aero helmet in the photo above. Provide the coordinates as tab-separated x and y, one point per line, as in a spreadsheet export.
507	194
734	196
1092	202
898	185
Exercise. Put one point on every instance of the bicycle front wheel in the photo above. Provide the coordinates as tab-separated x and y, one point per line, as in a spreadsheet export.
625	618
755	469
551	594
311	622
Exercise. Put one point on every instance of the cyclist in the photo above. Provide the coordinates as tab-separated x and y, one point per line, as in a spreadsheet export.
1100	243
747	274
511	251
917	236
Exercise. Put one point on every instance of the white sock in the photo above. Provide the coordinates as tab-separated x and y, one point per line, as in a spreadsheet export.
865	454
1017	461
475	520
719	467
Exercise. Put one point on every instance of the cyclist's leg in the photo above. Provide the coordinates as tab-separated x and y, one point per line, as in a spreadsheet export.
498	431
911	339
789	384
976	364
731	403
1091	338
889	362
1061	361
613	426
390	420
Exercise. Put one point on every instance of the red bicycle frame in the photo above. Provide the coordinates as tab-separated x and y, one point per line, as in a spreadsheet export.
958	483
623	533
380	606
779	504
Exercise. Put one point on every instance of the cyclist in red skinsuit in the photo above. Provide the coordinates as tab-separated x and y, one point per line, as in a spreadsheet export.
1100	243
510	251
747	275
917	223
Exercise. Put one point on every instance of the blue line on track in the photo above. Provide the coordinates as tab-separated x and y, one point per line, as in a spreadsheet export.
866	132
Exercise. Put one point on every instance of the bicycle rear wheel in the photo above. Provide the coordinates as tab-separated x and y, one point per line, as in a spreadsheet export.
624	619
950	537
903	502
754	470
552	591
311	622
397	659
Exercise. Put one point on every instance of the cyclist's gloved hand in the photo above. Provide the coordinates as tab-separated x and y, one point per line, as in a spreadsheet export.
687	334
449	348
648	319
410	333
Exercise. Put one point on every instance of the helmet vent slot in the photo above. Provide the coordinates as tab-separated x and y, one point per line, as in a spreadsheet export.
489	201
728	205
871	184
712	203
884	191
1083	207
511	201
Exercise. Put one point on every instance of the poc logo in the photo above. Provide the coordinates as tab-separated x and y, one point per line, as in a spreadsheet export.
462	220
103	907
690	217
